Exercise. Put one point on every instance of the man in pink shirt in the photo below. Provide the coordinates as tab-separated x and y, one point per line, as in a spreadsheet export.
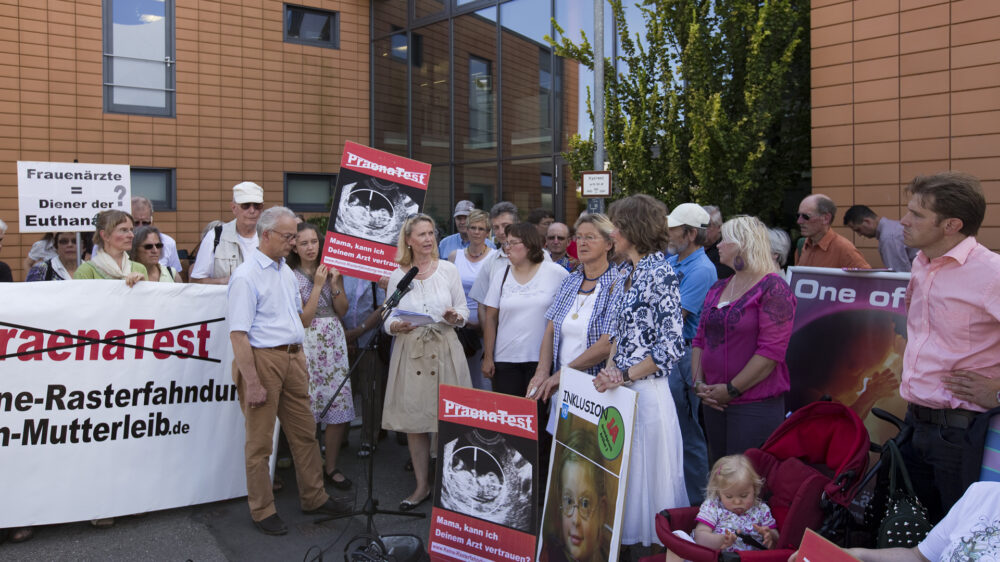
951	366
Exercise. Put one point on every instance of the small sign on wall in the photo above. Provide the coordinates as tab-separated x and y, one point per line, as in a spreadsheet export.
596	184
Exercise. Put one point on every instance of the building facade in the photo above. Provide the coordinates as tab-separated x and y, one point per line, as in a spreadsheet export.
198	96
901	88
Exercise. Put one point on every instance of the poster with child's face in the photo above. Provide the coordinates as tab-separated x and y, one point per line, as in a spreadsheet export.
585	492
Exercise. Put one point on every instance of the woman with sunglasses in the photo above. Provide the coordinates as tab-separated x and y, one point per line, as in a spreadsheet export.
469	261
147	247
111	260
62	266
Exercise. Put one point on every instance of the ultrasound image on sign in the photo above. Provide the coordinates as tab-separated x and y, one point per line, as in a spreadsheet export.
371	208
485	476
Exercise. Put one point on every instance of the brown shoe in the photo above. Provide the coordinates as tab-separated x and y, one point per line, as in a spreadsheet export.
272	525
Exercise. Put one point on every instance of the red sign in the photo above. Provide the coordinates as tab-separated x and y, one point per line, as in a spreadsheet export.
376	192
486	504
815	548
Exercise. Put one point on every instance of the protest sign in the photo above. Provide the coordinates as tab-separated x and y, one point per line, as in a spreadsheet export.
847	342
486	492
115	401
376	192
64	197
585	495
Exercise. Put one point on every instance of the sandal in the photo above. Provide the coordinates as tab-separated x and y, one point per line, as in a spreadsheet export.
22	534
344	484
366	450
407	505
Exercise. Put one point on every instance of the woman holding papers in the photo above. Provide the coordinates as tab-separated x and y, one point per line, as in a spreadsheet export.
325	345
646	342
579	319
427	355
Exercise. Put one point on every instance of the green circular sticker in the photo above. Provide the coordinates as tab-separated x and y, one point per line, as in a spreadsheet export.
611	433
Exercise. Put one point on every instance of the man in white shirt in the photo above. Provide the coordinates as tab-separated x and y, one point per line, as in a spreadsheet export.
222	251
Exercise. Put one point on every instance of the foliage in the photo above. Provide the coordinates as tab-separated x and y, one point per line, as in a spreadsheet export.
709	104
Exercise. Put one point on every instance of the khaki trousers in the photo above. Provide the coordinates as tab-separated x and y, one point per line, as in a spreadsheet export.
284	377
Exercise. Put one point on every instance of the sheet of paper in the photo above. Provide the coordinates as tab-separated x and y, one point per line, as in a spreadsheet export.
415	318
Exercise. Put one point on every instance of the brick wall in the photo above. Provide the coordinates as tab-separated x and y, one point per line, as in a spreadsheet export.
249	106
901	88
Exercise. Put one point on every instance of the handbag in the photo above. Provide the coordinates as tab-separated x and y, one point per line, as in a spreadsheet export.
905	522
469	338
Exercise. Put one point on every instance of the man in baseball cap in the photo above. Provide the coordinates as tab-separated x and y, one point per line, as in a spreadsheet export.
686	226
225	247
459	240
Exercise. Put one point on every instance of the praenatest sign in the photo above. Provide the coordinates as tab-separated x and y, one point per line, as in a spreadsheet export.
65	196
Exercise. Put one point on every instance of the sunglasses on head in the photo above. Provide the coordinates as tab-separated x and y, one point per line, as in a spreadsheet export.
246	206
158	246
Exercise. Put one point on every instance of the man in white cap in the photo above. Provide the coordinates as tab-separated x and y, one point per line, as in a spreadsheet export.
459	240
687	228
224	248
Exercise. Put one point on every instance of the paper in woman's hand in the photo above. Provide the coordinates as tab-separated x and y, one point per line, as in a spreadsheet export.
414	318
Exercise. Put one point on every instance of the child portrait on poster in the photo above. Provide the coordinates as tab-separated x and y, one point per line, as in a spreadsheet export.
578	506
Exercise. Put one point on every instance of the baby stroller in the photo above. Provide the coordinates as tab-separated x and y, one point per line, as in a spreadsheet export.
817	455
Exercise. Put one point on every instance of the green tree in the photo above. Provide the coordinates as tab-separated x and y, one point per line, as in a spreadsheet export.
709	104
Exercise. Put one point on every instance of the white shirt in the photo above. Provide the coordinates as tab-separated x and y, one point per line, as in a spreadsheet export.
972	526
264	302
522	311
204	264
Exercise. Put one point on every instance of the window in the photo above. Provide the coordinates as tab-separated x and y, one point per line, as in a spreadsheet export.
139	57
310	26
159	185
309	192
481	131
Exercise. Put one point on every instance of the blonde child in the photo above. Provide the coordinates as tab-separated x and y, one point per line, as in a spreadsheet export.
732	507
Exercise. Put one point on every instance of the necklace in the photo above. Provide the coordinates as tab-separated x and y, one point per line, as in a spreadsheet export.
731	287
468	250
581	303
585	278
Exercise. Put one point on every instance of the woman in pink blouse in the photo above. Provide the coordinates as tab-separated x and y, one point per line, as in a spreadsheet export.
738	358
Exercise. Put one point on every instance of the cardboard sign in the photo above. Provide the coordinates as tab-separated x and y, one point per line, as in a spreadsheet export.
376	193
65	197
585	496
815	548
486	492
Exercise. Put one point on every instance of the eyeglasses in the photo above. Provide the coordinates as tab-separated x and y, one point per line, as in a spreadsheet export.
65	241
286	236
554	237
477	229
589	239
246	206
143	223
508	244
806	216
569	505
147	247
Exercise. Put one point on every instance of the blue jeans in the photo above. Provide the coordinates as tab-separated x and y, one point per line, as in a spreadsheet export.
695	449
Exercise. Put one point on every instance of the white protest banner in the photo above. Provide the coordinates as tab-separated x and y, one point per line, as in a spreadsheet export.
115	401
65	196
589	466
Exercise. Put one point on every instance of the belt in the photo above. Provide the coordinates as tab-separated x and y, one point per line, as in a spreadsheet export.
290	348
947	417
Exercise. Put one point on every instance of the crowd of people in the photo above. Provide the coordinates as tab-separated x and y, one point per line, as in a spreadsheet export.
688	310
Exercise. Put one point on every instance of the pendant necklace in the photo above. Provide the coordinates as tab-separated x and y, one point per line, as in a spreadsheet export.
580	304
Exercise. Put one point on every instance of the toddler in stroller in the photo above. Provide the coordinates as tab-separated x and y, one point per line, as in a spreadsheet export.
733	516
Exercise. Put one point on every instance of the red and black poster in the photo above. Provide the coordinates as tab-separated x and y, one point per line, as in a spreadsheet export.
376	192
486	493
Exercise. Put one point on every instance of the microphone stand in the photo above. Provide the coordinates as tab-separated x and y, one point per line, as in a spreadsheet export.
370	509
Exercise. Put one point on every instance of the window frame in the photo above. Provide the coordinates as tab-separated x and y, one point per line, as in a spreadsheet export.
334	42
170	60
159	205
309	207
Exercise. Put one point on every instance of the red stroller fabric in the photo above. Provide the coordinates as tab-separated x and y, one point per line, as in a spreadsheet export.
820	450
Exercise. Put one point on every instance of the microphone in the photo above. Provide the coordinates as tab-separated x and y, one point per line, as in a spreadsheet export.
402	288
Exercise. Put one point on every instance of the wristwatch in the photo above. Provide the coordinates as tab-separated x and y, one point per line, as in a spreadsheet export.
733	391
625	380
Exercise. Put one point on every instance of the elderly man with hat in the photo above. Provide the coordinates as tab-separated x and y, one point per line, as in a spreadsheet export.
459	240
687	228
225	247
